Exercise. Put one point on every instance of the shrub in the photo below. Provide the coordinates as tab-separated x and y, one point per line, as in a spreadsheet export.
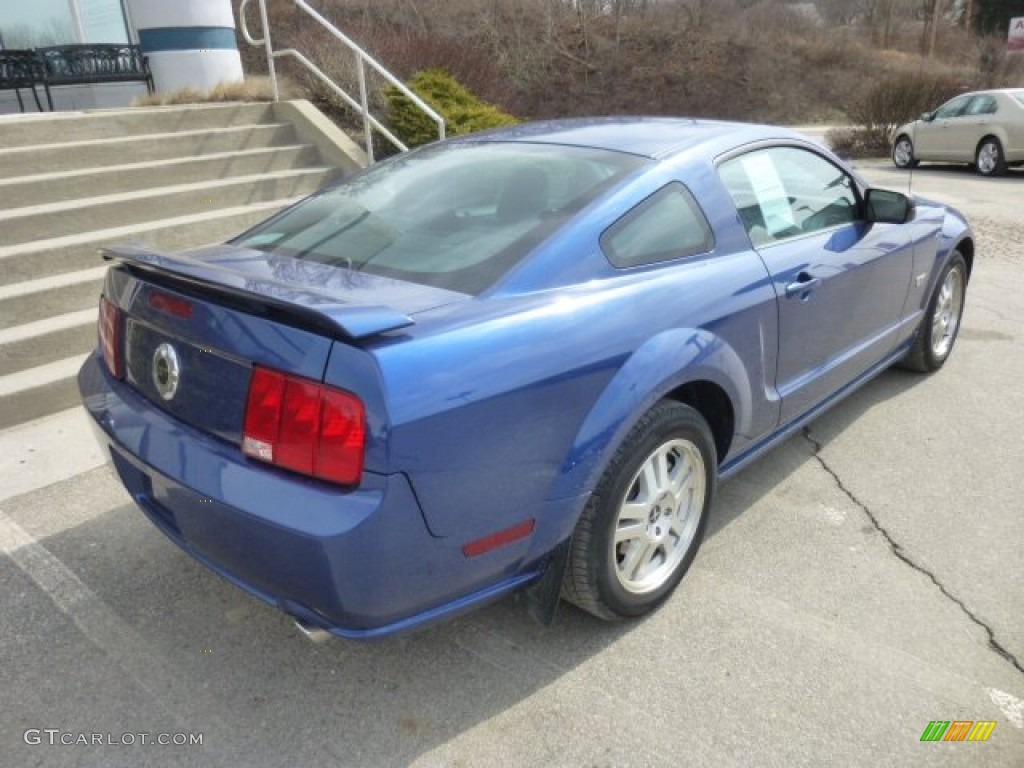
895	100
851	143
462	111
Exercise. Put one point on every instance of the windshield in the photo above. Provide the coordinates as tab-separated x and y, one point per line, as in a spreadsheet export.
455	216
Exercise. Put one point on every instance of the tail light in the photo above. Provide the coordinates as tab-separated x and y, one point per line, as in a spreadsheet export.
111	324
305	426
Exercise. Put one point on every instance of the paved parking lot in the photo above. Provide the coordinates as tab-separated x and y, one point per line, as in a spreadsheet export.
861	581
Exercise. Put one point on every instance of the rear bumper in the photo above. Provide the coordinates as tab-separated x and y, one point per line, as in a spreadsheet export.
360	563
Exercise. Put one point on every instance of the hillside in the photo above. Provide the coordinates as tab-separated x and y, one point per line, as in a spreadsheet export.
767	61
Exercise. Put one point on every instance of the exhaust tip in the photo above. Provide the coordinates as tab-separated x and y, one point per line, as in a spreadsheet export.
314	634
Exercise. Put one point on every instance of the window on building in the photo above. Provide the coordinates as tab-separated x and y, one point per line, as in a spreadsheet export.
40	23
103	21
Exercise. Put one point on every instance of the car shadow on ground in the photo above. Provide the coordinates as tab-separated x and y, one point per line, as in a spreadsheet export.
221	662
957	170
773	469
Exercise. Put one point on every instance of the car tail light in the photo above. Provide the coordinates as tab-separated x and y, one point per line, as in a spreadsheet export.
305	426
111	323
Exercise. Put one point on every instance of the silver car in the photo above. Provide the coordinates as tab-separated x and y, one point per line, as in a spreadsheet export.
984	128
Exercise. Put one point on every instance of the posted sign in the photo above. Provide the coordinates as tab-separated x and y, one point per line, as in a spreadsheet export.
1016	39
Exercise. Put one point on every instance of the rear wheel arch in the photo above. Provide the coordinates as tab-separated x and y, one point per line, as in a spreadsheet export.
718	387
713	403
988	137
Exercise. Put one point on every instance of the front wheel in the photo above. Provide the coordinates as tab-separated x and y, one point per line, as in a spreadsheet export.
989	159
903	153
941	322
643	524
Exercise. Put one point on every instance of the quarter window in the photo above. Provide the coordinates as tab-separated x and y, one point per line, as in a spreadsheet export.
785	192
667	225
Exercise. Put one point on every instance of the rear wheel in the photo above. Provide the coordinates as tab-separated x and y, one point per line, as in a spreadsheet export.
941	322
989	159
903	152
643	524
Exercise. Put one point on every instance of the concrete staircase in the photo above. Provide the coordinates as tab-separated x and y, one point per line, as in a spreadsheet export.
169	177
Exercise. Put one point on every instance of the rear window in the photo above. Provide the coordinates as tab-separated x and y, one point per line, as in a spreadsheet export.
454	216
1019	96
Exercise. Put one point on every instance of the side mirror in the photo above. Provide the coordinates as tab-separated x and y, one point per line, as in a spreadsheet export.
887	207
927	116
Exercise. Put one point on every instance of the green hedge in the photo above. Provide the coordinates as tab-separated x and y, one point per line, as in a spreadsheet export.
462	111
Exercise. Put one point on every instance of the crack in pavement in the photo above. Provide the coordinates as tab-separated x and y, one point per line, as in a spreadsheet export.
897	550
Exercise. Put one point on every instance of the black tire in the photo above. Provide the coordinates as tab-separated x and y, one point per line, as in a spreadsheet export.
903	152
669	523
989	159
940	325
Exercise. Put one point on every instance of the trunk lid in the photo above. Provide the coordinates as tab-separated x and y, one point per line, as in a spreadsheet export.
204	318
339	301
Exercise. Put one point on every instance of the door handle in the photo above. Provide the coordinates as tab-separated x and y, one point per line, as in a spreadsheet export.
804	285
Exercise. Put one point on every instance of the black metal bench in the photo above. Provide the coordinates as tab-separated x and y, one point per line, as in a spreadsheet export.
21	69
91	64
72	65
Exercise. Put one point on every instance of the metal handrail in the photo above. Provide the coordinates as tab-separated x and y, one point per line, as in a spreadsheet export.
361	106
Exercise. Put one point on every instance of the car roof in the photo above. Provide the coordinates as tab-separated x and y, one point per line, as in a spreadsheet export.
653	137
989	91
1015	94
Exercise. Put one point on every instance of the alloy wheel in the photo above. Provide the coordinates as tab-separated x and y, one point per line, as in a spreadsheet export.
659	516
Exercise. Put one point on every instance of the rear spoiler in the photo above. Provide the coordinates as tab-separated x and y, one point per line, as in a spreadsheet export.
260	295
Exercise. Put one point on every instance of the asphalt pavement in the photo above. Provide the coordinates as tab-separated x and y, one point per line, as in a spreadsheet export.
858	583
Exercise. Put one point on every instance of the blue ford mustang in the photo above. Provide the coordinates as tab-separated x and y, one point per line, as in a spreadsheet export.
513	362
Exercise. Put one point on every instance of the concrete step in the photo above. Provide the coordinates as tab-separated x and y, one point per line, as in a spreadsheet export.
170	178
39	328
69	185
51	282
48	315
70	253
32	307
56	127
22	225
34	392
96	153
36	351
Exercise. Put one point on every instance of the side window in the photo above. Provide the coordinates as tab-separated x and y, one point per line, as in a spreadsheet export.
953	108
982	105
784	192
667	225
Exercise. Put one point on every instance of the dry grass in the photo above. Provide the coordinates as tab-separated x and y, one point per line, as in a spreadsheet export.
257	88
735	59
